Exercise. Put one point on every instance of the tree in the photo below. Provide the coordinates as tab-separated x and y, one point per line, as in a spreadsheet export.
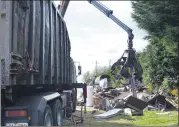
87	76
160	59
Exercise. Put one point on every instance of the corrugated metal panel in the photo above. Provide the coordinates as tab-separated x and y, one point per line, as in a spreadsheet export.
62	51
40	45
5	41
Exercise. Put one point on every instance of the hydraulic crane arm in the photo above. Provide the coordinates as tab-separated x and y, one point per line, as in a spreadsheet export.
109	13
129	62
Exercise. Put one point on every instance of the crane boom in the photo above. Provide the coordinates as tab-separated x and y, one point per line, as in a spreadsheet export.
109	14
128	63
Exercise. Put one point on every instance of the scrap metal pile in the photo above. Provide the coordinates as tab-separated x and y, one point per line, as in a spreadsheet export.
110	98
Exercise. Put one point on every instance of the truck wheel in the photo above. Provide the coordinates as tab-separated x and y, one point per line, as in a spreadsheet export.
48	119
57	113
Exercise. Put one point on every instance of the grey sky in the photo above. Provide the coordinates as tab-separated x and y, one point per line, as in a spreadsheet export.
95	37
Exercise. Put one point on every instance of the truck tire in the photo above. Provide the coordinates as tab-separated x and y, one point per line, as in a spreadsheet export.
57	113
47	117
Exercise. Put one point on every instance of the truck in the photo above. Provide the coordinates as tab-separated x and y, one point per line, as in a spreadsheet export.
37	73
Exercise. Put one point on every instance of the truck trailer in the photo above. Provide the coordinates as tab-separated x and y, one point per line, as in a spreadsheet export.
38	76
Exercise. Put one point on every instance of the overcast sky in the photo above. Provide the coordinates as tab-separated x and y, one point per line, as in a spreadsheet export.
96	37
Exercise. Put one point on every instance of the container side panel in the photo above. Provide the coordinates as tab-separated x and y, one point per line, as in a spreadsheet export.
29	53
71	71
20	27
62	52
50	58
5	41
47	42
42	60
38	17
53	45
14	25
38	36
54	19
21	12
68	59
65	60
58	34
37	40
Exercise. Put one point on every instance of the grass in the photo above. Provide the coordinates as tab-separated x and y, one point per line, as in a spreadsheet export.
153	119
150	118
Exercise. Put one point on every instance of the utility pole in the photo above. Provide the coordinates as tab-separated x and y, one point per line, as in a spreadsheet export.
109	63
96	66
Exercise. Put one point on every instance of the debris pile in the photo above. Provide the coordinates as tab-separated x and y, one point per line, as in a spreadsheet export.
110	98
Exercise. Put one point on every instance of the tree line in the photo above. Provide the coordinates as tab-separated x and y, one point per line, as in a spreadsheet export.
160	59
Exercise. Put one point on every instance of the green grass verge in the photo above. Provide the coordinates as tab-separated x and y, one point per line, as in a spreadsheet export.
150	118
